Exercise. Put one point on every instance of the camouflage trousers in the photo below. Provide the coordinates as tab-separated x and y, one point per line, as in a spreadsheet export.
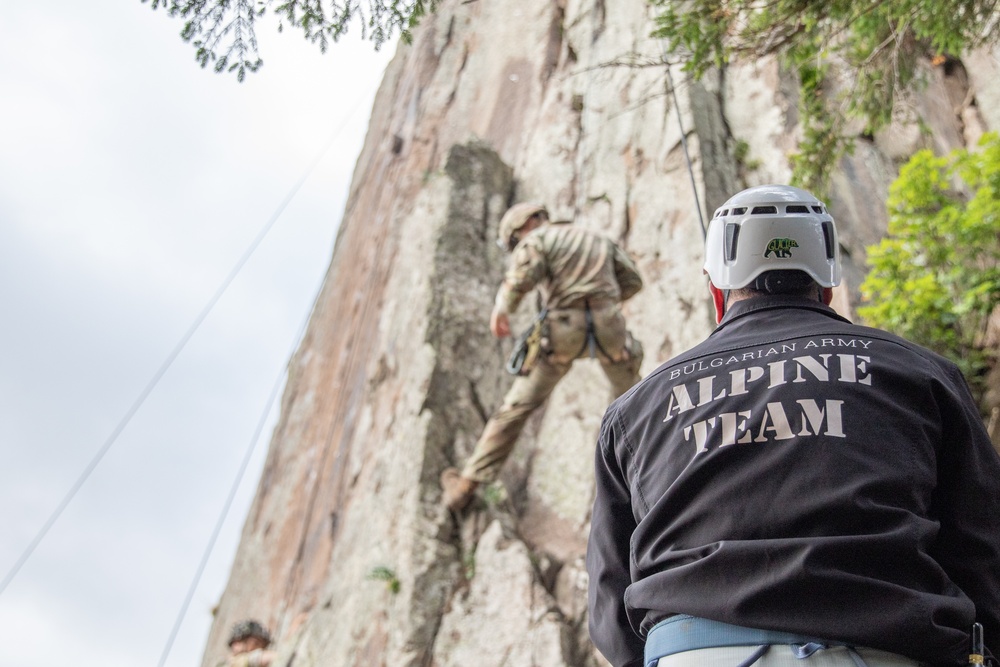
565	340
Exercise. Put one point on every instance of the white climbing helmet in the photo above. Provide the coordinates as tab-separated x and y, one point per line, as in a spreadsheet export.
771	228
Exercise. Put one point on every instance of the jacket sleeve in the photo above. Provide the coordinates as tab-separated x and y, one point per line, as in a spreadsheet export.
608	556
526	269
627	274
968	505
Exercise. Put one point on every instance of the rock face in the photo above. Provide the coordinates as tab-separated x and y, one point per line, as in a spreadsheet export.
347	554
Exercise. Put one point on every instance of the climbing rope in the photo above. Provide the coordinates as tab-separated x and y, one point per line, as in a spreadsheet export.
144	394
275	388
158	375
687	156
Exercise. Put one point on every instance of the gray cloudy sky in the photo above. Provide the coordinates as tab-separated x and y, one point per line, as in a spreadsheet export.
131	182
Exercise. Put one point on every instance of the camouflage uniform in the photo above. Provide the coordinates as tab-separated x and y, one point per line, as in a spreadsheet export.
572	268
256	658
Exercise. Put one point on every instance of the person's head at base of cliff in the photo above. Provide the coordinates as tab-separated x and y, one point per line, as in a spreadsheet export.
248	635
771	239
518	221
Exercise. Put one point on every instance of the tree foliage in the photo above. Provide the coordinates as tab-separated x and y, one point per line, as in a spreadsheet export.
223	32
882	41
935	278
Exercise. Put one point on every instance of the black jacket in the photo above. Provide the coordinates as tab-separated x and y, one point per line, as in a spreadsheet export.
797	472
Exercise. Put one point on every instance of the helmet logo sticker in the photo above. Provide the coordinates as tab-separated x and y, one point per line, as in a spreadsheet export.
781	248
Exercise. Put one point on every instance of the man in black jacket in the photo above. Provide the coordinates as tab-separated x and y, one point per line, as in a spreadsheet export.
795	485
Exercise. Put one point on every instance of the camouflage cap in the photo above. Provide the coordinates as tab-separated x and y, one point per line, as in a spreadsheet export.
514	219
249	628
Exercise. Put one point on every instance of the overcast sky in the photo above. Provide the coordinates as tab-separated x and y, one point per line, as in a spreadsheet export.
131	182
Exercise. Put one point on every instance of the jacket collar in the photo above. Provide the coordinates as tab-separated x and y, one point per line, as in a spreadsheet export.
746	307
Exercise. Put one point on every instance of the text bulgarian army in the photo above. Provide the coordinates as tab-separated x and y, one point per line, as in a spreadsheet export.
779	420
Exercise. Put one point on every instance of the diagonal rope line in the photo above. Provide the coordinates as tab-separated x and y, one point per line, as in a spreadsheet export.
687	155
260	427
222	519
144	394
236	482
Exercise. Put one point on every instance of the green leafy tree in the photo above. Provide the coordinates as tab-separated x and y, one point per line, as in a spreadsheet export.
935	278
223	32
882	41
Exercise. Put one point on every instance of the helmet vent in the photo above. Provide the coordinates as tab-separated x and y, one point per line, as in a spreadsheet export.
828	237
796	208
722	213
732	238
762	210
818	209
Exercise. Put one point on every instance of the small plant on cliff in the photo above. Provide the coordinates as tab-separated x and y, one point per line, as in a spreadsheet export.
883	42
386	574
741	154
469	564
935	278
494	494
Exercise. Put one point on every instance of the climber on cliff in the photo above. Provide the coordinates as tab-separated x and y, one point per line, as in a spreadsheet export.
248	642
582	278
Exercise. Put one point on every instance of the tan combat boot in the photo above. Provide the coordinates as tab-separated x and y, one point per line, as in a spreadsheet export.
458	490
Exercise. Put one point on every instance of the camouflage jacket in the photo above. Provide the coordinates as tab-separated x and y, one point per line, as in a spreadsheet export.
255	658
569	265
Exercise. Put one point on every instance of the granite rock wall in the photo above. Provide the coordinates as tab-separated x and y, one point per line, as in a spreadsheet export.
347	554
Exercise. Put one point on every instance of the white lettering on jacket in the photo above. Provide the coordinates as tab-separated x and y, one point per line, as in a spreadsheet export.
808	417
820	368
783	417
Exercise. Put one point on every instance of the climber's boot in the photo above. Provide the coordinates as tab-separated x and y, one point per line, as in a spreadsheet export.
458	490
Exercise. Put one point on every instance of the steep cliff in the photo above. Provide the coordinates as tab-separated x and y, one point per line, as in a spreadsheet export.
346	553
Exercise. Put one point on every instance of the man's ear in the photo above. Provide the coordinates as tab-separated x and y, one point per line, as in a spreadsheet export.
720	302
827	295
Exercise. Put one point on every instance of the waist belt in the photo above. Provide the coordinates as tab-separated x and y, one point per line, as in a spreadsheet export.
594	303
688	633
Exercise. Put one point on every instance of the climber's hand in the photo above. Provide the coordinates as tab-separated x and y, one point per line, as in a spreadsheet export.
499	324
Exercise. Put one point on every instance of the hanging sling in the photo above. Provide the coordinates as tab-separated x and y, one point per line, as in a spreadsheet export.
528	347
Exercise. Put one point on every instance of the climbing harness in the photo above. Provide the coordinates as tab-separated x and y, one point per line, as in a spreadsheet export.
688	633
528	347
590	343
